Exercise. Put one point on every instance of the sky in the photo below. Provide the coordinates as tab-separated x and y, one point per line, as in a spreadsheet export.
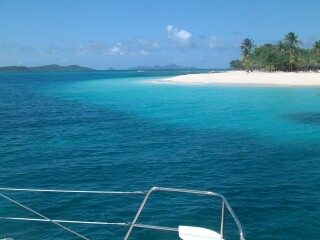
120	34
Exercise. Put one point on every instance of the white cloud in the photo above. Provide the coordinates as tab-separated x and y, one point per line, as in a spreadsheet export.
147	44
116	50
142	52
83	49
137	46
52	50
91	47
180	37
215	42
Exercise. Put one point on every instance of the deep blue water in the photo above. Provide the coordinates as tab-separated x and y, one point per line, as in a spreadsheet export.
114	130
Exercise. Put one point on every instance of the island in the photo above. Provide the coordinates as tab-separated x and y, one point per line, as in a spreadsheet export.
46	68
285	63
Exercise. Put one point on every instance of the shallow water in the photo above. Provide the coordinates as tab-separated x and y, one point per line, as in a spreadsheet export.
258	146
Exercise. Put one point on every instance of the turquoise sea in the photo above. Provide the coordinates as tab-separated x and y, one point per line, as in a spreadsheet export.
114	130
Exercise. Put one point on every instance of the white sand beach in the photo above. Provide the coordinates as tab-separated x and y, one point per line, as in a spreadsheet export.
252	78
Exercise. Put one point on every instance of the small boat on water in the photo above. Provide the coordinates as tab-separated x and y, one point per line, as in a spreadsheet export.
184	232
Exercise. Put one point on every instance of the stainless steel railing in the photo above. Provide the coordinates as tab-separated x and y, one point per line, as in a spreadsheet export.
224	204
131	225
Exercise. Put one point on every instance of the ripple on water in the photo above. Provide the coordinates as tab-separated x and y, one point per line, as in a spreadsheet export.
307	118
50	141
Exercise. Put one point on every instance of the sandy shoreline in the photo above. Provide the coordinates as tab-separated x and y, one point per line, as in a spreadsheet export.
242	78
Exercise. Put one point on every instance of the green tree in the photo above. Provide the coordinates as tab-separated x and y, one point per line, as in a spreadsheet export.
236	64
292	40
286	55
282	47
247	47
316	47
316	57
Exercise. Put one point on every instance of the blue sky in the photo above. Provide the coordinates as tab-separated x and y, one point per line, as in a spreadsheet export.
127	33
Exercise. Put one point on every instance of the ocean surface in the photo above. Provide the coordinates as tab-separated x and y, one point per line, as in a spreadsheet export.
115	130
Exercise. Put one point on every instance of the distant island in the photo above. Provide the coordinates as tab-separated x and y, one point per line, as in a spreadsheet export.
46	68
76	68
166	67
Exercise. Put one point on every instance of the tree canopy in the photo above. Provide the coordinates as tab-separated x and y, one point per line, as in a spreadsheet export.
286	55
247	46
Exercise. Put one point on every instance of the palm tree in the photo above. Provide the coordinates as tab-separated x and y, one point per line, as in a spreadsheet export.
247	47
316	47
316	60
293	41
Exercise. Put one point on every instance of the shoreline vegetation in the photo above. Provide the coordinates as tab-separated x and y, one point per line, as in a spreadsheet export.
286	56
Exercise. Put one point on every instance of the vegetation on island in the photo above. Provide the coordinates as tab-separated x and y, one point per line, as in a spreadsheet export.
287	55
47	68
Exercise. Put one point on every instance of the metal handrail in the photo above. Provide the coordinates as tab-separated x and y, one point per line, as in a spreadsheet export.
70	191
134	222
224	203
44	217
